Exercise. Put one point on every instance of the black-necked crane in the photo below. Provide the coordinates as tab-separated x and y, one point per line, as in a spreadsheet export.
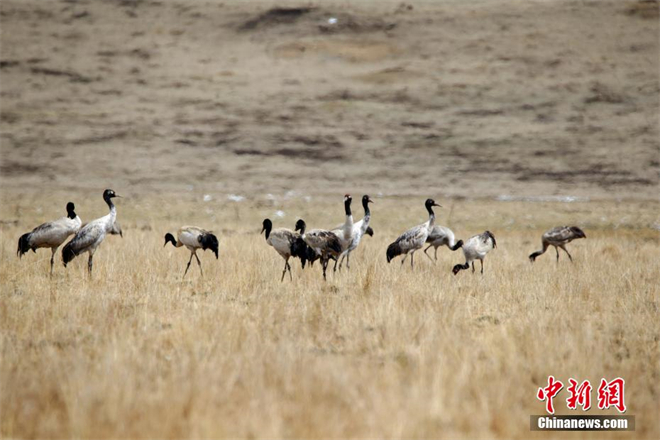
442	236
558	237
287	243
51	234
194	238
414	238
357	232
325	243
90	237
345	231
312	256
476	248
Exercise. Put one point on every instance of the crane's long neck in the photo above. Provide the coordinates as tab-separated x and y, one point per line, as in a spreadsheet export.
113	211
349	216
431	216
367	211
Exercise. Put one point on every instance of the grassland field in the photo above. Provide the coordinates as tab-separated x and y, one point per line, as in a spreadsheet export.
377	351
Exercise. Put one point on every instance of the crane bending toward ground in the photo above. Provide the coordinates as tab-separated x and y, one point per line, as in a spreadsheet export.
194	238
558	237
442	236
476	248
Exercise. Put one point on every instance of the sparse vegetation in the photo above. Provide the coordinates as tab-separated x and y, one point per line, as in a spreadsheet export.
221	113
378	351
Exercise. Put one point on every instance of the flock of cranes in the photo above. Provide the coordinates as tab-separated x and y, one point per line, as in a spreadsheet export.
306	245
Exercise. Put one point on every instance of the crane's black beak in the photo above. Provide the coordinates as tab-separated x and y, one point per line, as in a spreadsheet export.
436	204
369	200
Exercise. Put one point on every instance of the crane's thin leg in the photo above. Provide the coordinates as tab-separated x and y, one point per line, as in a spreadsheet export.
324	263
427	248
436	254
188	266
289	266
569	255
472	267
482	267
412	256
557	250
199	262
348	261
52	260
284	271
90	263
404	259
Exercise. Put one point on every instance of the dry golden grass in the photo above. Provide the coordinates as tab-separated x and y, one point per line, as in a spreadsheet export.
380	351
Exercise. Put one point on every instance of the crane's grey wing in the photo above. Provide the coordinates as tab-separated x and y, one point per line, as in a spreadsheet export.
50	234
558	234
87	237
412	235
281	240
43	228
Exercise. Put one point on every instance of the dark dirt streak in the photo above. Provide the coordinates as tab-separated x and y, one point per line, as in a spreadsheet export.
73	76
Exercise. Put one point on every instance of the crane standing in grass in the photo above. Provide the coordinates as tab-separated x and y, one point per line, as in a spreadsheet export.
89	238
476	248
51	234
442	236
558	237
287	243
194	238
325	243
357	232
414	238
345	231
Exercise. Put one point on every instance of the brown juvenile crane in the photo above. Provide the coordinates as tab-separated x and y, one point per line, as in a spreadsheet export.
558	237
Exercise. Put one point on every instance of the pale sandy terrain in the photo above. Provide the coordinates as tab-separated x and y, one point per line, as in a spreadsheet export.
471	99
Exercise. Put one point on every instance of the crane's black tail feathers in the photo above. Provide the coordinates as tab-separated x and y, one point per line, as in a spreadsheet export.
68	254
209	241
299	250
311	256
23	244
393	250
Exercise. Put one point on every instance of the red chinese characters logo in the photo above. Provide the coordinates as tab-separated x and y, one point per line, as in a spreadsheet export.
579	395
612	394
548	393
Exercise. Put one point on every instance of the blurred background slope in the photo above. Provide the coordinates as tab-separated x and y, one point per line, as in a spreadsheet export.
474	99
